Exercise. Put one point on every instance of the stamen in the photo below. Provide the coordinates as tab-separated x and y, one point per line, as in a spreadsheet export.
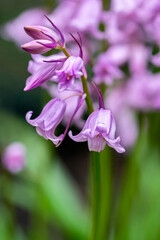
49	45
57	29
49	37
101	102
73	95
69	123
79	45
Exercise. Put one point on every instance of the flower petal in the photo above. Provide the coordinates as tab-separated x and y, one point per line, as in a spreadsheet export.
78	138
37	46
43	74
96	144
115	143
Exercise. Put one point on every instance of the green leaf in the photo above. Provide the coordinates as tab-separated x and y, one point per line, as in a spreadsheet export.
64	202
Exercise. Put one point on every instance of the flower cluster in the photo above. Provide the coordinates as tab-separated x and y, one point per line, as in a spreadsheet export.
64	75
127	40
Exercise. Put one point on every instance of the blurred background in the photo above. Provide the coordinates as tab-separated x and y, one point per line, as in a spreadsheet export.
48	196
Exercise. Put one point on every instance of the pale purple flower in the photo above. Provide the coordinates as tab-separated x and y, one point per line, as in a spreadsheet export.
99	130
106	68
72	98
69	8
142	91
46	123
87	20
107	65
79	16
152	28
148	10
156	59
72	68
138	58
133	21
14	157
38	60
130	6
42	71
41	32
121	28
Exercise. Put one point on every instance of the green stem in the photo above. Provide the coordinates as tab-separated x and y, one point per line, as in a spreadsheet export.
106	193
101	194
106	4
96	194
64	50
84	83
88	97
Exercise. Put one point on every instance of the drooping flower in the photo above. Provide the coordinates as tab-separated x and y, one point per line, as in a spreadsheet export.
99	130
14	157
49	119
71	103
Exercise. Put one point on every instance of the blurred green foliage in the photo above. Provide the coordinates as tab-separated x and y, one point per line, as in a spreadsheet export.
44	189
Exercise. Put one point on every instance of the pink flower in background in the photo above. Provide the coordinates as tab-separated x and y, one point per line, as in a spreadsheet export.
127	126
14	157
106	68
14	29
143	91
133	21
79	16
87	20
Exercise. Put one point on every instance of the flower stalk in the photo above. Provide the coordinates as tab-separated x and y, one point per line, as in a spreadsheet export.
96	194
100	126
84	84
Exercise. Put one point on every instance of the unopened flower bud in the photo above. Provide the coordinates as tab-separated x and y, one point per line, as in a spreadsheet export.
38	46
40	32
